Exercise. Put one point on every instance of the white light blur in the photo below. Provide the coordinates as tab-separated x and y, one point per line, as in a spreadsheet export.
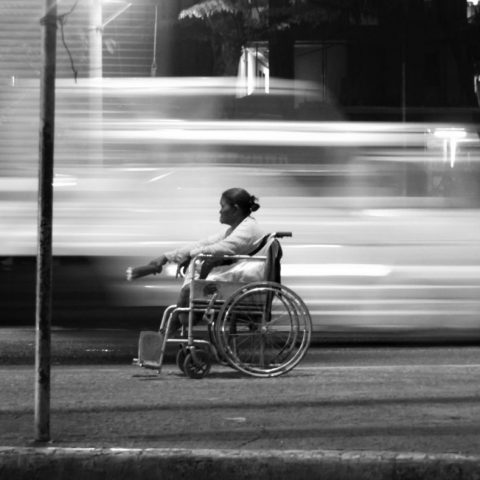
18	184
138	169
159	177
450	137
110	19
335	270
314	246
261	133
170	270
450	133
64	181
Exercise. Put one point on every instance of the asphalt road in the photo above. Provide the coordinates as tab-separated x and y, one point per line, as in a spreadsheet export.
421	399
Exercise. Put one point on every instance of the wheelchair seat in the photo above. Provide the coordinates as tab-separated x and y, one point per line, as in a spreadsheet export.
262	264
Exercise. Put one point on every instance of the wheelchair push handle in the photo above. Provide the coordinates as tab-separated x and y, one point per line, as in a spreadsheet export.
137	272
282	234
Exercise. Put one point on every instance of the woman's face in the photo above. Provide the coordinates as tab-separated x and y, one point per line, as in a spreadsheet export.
228	212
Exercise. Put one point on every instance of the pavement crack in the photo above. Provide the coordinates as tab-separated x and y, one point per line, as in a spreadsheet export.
254	439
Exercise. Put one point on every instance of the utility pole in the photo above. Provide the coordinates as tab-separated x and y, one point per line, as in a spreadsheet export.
403	73
153	68
43	301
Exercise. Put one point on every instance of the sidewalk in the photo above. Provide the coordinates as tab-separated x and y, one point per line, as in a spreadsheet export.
173	464
224	431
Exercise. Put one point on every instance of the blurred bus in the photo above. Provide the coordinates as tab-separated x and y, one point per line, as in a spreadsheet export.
385	216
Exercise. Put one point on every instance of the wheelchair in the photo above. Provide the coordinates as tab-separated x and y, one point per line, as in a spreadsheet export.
260	328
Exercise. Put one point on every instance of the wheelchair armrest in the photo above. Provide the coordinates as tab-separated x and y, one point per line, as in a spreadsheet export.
204	256
282	234
203	264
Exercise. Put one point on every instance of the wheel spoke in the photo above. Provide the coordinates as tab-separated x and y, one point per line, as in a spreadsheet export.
264	329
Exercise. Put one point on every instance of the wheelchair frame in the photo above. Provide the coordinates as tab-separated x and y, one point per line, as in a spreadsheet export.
261	328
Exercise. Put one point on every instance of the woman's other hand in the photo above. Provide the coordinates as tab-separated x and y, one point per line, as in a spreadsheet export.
182	267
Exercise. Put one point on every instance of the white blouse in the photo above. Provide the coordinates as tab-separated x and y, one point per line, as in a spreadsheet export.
239	241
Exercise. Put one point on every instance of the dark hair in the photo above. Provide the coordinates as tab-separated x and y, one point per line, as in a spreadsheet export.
239	196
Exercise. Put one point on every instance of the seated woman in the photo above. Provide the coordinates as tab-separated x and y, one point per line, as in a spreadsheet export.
241	238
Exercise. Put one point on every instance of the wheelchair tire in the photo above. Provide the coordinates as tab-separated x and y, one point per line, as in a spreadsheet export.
264	329
197	365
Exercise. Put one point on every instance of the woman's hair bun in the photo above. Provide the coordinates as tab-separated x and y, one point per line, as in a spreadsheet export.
254	205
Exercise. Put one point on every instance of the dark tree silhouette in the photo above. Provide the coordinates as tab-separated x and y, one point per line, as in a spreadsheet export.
233	23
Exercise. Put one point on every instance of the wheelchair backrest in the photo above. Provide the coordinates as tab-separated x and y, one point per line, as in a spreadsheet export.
270	247
224	280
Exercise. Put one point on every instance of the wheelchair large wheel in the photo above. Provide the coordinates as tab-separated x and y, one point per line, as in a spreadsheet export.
264	329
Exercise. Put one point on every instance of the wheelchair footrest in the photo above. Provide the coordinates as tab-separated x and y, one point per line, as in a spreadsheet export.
150	353
151	365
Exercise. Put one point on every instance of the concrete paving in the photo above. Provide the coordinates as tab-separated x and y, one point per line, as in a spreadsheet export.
171	464
100	460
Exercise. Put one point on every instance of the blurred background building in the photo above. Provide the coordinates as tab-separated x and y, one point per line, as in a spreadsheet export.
382	60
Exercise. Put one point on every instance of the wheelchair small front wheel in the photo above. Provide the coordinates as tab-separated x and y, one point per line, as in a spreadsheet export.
197	364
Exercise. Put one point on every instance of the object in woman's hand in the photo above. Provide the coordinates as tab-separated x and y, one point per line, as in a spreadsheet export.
137	272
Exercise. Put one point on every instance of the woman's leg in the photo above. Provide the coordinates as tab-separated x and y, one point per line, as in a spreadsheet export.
180	319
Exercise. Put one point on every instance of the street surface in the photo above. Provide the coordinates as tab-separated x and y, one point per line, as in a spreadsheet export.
422	399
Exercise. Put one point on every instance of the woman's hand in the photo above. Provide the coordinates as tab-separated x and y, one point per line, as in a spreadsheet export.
159	263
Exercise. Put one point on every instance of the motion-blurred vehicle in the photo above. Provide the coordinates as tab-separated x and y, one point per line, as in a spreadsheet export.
384	215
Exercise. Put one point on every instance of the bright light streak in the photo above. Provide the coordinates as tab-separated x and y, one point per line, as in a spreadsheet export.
116	14
314	246
450	137
335	270
18	184
64	181
450	133
138	169
186	86
159	177
259	133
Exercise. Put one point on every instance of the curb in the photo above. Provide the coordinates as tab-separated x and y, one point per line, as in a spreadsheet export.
167	464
